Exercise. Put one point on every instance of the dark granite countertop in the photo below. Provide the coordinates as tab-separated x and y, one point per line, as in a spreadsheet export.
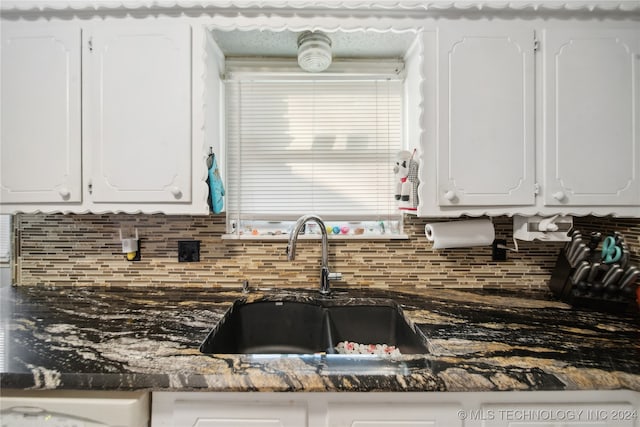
148	338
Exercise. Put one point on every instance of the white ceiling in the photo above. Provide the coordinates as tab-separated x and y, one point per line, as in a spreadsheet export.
358	44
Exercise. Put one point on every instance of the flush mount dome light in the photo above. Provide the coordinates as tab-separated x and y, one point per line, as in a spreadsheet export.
314	51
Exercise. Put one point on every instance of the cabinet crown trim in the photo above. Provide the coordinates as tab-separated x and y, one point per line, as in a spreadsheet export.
207	6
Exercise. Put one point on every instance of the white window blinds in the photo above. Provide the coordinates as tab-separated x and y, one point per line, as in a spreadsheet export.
312	146
5	238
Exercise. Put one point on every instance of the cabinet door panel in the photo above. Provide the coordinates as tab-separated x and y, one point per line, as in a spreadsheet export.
40	150
140	119
592	132
223	422
486	141
232	414
559	415
392	414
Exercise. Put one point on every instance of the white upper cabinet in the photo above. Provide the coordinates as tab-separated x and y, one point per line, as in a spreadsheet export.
116	114
485	130
592	117
521	130
40	153
138	112
98	116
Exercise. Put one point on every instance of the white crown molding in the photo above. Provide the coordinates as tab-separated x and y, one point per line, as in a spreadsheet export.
43	6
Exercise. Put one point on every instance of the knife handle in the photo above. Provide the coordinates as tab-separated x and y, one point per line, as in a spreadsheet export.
593	274
594	240
580	273
629	291
597	288
630	278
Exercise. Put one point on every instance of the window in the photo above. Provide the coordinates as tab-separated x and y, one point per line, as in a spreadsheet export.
5	238
312	145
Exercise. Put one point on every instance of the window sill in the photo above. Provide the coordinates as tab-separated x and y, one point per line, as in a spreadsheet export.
285	237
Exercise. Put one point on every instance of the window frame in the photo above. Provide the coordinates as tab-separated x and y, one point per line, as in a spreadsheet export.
6	222
239	69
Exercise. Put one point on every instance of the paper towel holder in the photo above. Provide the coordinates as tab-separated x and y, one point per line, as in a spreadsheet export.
499	250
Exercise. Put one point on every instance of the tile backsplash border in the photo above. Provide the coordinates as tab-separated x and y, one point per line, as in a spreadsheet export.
84	250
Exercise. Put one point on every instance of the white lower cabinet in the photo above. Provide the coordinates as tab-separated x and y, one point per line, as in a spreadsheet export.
301	410
392	413
74	408
199	410
620	414
611	408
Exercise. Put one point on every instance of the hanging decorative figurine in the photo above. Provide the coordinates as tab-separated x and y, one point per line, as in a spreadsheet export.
406	171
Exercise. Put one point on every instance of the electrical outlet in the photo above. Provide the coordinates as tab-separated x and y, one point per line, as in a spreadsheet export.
189	251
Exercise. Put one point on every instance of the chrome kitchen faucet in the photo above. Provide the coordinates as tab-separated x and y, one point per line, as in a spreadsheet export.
325	275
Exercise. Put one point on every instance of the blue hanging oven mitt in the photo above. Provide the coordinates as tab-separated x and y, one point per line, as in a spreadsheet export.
216	188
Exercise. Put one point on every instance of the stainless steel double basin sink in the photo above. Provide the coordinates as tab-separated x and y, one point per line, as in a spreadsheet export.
310	327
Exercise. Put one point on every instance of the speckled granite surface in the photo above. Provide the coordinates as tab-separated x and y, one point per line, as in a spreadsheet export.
148	338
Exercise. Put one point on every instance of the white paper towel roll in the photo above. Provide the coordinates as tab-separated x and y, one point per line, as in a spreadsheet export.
460	234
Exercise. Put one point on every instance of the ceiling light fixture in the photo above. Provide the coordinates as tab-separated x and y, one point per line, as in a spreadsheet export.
314	51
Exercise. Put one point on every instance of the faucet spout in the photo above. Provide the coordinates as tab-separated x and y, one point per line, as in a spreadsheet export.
325	274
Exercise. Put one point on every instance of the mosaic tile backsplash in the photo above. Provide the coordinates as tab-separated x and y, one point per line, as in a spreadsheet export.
85	250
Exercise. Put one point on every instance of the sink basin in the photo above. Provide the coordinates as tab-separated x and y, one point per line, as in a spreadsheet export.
294	327
269	327
375	324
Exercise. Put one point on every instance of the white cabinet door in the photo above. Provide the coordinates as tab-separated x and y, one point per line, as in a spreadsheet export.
138	103
486	109
407	409
592	117
40	152
392	414
559	415
207	412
